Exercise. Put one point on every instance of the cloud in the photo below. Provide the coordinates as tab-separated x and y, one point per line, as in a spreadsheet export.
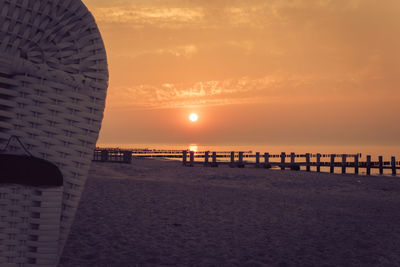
179	51
245	90
139	16
180	14
173	53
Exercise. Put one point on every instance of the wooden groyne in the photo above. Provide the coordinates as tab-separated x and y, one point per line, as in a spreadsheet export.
112	155
241	159
294	161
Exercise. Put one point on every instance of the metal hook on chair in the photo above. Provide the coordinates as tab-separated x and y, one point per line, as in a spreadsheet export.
19	142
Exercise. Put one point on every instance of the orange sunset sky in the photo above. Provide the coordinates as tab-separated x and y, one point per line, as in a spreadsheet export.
281	72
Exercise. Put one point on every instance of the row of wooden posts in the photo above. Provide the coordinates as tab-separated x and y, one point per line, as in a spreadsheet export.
293	165
261	161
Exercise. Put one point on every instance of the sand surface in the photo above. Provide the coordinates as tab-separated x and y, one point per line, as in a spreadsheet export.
159	213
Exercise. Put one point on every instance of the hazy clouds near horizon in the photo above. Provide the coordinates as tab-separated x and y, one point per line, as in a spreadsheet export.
294	71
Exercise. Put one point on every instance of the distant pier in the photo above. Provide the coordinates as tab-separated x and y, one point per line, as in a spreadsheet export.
346	163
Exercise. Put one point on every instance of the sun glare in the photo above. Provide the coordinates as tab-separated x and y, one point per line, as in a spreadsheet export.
193	148
193	117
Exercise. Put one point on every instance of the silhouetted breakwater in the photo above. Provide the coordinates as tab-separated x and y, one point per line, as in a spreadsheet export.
112	155
347	163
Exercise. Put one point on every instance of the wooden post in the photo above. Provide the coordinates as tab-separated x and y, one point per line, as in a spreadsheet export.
393	165
318	162
266	161
214	160
232	164
184	157
191	158
283	158
380	165
240	164
206	157
344	163
293	166
308	162
356	164
127	156
332	164
257	159
368	164
104	155
292	159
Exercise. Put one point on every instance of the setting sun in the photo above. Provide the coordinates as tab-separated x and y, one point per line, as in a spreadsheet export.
193	117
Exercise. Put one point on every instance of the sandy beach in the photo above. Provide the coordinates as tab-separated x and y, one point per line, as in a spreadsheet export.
160	213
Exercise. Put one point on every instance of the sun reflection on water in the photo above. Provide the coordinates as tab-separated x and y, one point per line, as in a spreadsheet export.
193	147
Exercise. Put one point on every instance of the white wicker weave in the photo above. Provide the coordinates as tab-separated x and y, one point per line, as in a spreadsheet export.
53	82
30	225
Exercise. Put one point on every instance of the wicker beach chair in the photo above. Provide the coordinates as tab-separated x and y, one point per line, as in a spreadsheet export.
53	82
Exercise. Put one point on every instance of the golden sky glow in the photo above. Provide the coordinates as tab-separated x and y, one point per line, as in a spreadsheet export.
259	72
